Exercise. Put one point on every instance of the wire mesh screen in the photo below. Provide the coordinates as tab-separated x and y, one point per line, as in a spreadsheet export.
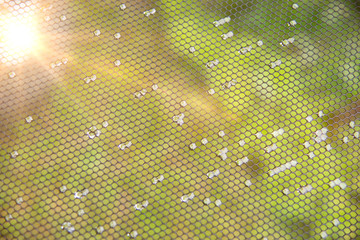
179	119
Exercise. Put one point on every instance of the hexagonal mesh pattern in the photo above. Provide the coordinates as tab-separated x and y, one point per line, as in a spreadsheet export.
179	119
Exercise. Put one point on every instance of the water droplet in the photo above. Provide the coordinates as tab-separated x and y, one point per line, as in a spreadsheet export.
295	6
150	12
113	224
85	192
259	43
105	124
117	63
222	21
63	18
183	103
19	200
122	6
204	141
242	143
97	32
212	64
63	189
311	155
218	202
117	35
211	91
12	74
100	229
320	114
352	124
346	139
68	227
14	154
8	217
248	183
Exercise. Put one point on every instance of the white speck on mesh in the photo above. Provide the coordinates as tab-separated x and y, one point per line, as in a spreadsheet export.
218	202
221	133
328	147
155	87
123	146
161	178
222	153
184	198
145	203
192	146
342	185
192	49
97	32
63	189
29	119
211	91
204	141
68	227
150	12
248	183
305	189
47	18
292	23
356	134
279	132
227	35
352	124
321	135
207	201
245	49
259	43
133	234
283	167
242	161
191	196
320	114
81	212
183	103
311	155
63	18
259	135
271	148
85	192
346	139
309	118
122	6
105	124
212	64
138	206
14	154
286	191
336	222
323	234
100	229
179	119
19	200
113	224
213	174
77	195
222	21
242	143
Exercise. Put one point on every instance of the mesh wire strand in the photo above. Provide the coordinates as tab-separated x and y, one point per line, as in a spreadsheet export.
180	119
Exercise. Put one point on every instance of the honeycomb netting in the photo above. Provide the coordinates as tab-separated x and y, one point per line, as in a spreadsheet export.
179	119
